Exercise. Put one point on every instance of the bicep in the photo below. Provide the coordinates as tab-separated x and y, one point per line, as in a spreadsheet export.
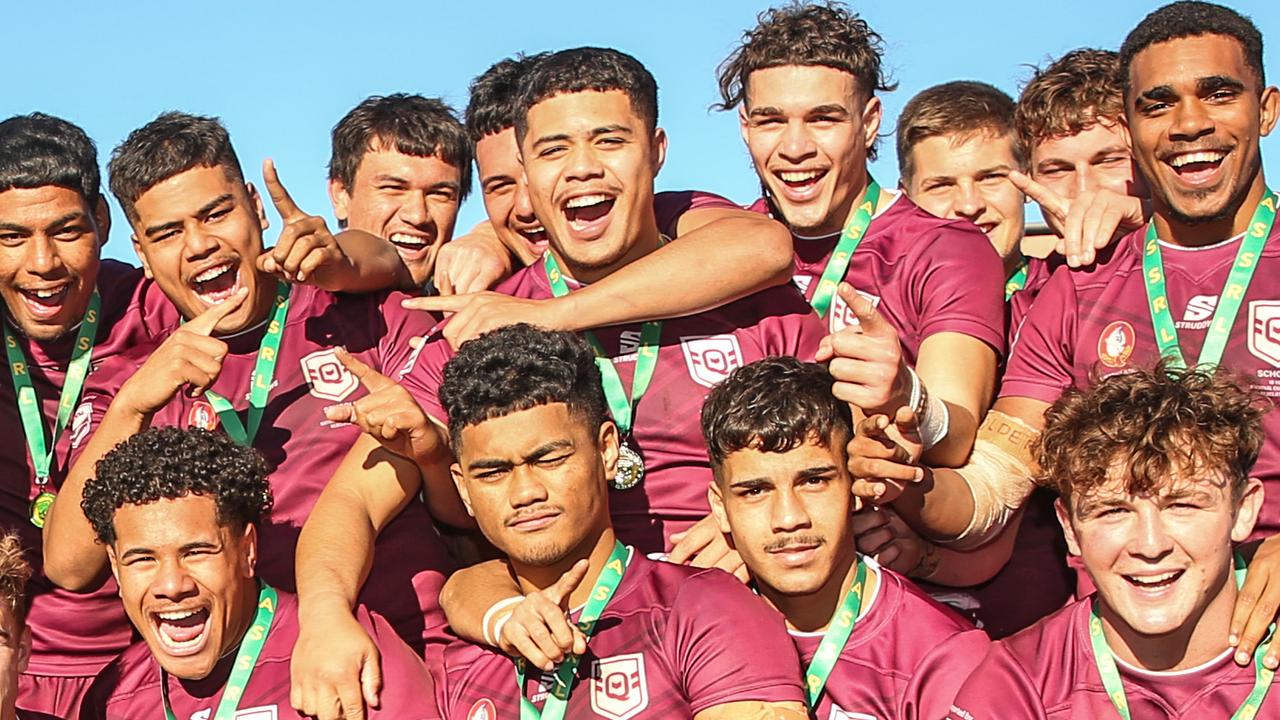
960	369
374	480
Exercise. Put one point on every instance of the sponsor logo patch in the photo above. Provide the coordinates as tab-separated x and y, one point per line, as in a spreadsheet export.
802	282
483	709
619	690
81	423
1264	330
1116	344
711	357
201	415
328	377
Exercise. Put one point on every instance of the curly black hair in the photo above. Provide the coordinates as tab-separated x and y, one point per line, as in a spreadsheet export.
492	107
168	463
516	368
39	149
1190	18
774	404
587	69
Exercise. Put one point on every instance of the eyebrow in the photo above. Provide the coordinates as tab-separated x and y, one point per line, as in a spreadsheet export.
537	454
1214	83
596	132
496	176
204	210
69	217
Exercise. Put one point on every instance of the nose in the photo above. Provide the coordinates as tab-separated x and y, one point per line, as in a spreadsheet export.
1151	541
414	209
969	202
582	164
199	243
44	258
172	581
523	207
526	487
789	512
1191	120
796	145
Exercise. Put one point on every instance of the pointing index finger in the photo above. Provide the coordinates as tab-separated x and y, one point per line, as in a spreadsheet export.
367	376
280	197
569	582
205	322
1048	200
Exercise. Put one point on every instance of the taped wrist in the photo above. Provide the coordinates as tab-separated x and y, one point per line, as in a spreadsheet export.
507	604
933	418
998	474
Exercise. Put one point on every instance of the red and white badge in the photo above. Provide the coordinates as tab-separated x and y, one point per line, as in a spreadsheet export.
328	377
711	357
1116	344
202	416
483	709
618	687
1264	330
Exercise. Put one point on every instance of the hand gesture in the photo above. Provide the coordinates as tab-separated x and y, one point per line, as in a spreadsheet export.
866	361
537	628
475	314
335	670
1086	223
305	244
388	413
883	456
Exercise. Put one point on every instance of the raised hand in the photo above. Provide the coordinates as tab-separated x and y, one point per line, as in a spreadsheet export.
883	456
704	545
305	244
388	413
537	628
475	314
1086	223
866	361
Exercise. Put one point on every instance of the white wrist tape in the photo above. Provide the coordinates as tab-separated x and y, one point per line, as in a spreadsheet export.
917	387
493	610
935	422
998	474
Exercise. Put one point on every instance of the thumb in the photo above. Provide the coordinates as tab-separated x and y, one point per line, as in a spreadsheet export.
906	419
371	679
568	582
205	322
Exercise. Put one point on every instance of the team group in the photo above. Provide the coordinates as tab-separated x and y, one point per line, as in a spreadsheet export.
854	451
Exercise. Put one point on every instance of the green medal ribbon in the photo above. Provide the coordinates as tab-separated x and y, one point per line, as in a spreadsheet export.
834	640
1106	662
850	238
264	371
1016	281
620	406
1224	317
558	699
42	450
246	659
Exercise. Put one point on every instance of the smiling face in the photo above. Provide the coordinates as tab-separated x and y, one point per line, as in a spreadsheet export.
1160	560
590	160
968	178
506	196
808	129
411	201
1196	114
789	515
198	235
535	482
187	582
49	242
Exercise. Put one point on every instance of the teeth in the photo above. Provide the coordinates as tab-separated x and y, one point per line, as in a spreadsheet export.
405	239
586	201
1154	579
212	273
794	176
534	231
1196	157
46	294
176	614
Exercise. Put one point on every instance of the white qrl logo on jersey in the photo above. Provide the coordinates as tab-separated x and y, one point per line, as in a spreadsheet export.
619	689
328	377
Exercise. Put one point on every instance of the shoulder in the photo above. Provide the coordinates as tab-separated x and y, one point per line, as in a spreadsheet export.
131	673
933	627
527	282
907	228
1050	644
669	206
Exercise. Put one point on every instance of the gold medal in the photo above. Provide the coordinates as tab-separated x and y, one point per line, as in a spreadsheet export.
630	468
40	508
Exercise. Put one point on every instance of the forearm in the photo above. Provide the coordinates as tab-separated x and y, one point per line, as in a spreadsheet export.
470	592
940	507
372	265
966	568
954	449
966	395
73	558
715	264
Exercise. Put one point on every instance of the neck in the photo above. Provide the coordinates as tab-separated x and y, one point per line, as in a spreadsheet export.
596	549
1200	639
1012	262
812	612
840	213
242	619
1199	234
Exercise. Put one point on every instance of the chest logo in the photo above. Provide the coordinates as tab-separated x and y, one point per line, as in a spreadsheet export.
1116	344
202	416
81	423
1264	330
329	379
841	315
619	690
711	357
483	709
802	282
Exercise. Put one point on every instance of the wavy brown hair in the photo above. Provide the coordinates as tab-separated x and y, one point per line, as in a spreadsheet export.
14	573
1073	93
1150	425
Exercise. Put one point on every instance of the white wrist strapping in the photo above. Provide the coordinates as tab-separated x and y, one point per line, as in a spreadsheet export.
494	609
933	419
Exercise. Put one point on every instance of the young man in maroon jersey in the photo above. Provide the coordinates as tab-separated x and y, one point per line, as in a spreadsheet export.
1154	471
274	348
536	451
179	512
1196	106
782	490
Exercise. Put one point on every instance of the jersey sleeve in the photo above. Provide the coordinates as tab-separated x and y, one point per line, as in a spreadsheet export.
790	327
959	286
424	372
395	350
408	689
708	642
938	677
1040	361
669	207
997	689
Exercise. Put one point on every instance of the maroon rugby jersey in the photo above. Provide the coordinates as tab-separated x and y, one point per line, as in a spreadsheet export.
1097	319
907	656
673	642
926	274
1048	671
129	688
303	449
73	634
695	353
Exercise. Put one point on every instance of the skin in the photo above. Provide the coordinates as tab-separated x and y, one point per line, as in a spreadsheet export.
506	196
1098	156
394	195
810	119
967	177
15	653
49	240
172	554
1187	526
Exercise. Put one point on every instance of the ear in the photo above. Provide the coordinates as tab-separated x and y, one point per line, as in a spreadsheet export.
608	440
340	198
872	116
115	565
744	122
715	497
102	218
250	540
24	649
455	471
659	150
1247	513
1064	519
256	199
1269	109
142	256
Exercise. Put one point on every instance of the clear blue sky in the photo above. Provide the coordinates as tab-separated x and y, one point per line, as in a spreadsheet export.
281	72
